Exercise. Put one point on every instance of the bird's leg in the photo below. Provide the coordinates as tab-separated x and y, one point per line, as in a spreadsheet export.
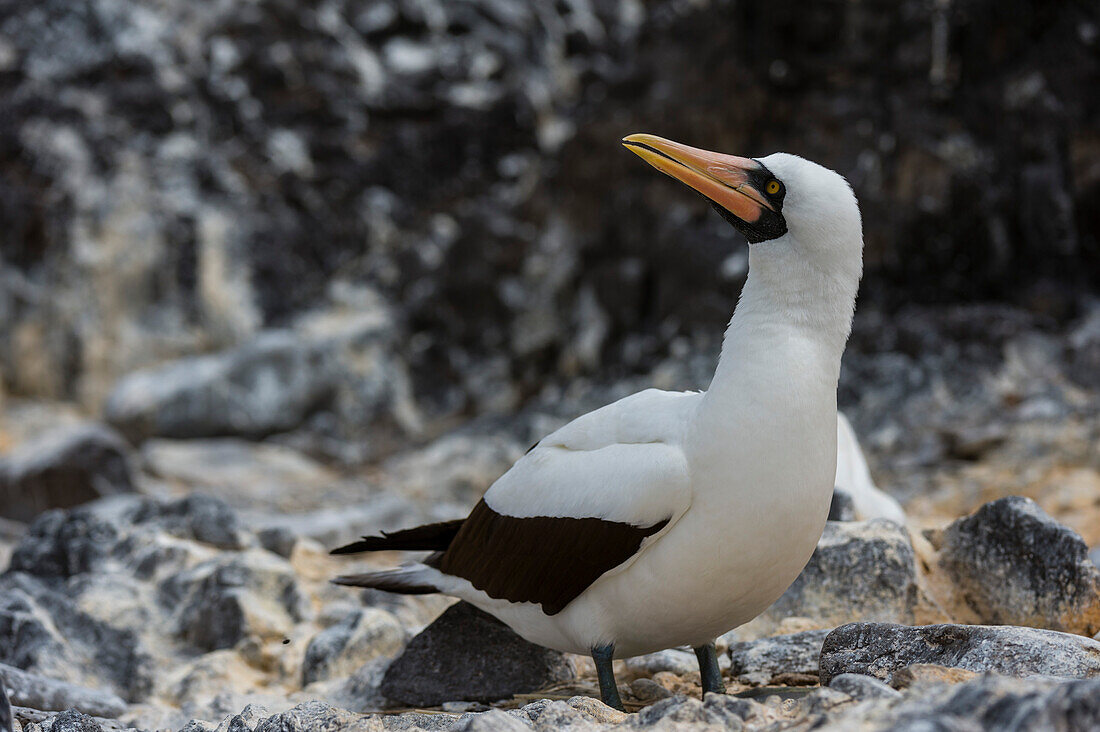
709	673
609	692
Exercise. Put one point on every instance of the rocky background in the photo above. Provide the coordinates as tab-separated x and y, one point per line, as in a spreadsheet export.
275	274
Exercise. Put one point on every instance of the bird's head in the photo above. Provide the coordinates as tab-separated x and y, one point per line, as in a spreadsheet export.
788	205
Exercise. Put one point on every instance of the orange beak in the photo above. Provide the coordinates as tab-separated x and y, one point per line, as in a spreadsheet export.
724	179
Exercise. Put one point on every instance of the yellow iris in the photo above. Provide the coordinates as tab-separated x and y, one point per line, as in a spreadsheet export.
772	187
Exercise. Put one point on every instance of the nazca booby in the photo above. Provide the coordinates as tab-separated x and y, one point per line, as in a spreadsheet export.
668	518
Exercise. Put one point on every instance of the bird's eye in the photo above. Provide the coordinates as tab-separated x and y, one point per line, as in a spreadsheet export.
772	188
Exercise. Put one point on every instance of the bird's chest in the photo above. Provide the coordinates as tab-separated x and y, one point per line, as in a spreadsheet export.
761	498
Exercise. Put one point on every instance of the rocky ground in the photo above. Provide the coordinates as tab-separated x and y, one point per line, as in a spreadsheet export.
276	274
192	591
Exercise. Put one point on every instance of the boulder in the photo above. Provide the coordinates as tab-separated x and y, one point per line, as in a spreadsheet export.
65	467
219	602
1012	564
469	655
757	662
39	692
5	708
988	702
45	632
73	721
859	570
267	385
361	636
881	649
861	687
130	529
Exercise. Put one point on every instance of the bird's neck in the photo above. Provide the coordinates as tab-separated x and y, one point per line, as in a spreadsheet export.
788	332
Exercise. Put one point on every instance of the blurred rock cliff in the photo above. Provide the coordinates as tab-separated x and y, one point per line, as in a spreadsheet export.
426	204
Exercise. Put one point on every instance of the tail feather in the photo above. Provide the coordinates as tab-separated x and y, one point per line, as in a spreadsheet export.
430	537
404	581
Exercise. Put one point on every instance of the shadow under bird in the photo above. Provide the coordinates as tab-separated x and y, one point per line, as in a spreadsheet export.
668	518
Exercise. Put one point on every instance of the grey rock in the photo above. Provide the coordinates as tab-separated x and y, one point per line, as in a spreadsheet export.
44	631
68	543
32	690
879	649
66	467
246	721
270	384
278	540
198	725
365	634
494	720
861	687
333	526
223	600
648	690
758	662
6	724
688	711
673	660
203	518
988	702
859	570
468	655
1013	564
74	721
64	544
312	715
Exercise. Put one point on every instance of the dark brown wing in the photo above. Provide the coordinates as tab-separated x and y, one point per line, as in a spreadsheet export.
542	559
430	537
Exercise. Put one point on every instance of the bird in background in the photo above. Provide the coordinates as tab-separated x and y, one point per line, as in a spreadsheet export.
669	518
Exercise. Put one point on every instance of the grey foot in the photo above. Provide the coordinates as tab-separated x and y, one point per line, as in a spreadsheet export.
709	673
609	692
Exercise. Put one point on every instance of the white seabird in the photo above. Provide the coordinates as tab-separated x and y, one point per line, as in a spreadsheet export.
668	518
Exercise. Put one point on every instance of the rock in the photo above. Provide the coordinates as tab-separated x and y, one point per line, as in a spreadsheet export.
205	519
494	720
246	721
312	715
362	636
861	687
648	690
45	632
66	544
1013	564
66	467
31	690
880	649
691	713
341	524
758	662
458	467
60	544
988	702
247	475
860	569
673	660
74	721
469	655
5	708
270	384
971	442
928	673
222	601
